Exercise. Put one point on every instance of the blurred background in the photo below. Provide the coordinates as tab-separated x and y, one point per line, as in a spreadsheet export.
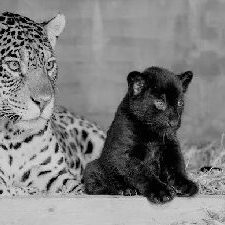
106	39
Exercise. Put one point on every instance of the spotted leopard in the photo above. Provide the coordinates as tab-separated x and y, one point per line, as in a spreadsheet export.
43	148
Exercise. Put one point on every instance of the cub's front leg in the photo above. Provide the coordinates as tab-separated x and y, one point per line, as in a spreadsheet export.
174	165
144	176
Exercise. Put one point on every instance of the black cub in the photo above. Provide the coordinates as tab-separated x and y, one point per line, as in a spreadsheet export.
142	151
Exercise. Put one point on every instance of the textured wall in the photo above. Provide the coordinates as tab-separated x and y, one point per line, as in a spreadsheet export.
106	39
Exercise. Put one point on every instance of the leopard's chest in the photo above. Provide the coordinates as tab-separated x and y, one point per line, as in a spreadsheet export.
25	161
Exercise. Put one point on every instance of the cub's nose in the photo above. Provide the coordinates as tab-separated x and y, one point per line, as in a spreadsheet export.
173	123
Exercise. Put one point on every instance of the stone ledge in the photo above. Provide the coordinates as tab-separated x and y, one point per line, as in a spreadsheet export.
105	210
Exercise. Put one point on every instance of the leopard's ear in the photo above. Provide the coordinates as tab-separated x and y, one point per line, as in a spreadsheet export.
55	27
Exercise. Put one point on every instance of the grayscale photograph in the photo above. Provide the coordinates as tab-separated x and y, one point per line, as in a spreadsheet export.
112	112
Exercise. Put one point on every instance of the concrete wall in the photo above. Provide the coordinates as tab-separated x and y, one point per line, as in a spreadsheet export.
106	39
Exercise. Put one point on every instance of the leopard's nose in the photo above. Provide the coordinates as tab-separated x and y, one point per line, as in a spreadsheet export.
41	103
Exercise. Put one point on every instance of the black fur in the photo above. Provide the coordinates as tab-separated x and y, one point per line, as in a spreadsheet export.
142	151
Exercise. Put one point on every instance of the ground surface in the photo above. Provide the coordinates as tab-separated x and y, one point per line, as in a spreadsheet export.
107	210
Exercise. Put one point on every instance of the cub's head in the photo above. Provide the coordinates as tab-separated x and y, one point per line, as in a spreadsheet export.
156	98
28	68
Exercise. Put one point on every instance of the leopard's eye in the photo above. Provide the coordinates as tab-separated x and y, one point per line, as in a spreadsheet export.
50	65
13	65
180	103
160	104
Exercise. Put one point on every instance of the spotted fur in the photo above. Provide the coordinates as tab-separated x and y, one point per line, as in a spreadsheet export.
43	148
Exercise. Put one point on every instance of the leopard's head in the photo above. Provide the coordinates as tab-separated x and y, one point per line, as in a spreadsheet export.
28	68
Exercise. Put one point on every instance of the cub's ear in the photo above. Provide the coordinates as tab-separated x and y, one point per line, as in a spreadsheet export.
55	27
136	82
186	78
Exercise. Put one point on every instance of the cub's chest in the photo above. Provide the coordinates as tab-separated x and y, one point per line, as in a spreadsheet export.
147	149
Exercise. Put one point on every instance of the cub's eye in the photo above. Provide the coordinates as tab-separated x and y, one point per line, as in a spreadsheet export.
13	65
180	103
160	104
50	65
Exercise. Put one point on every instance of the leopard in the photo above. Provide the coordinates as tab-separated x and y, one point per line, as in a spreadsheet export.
44	147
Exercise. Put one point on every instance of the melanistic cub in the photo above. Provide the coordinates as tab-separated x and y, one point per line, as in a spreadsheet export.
142	151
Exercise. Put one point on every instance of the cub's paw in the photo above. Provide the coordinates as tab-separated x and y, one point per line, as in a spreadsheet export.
186	188
160	194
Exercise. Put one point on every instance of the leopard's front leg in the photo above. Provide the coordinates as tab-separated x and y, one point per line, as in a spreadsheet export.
22	191
4	190
65	184
9	189
72	186
42	181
